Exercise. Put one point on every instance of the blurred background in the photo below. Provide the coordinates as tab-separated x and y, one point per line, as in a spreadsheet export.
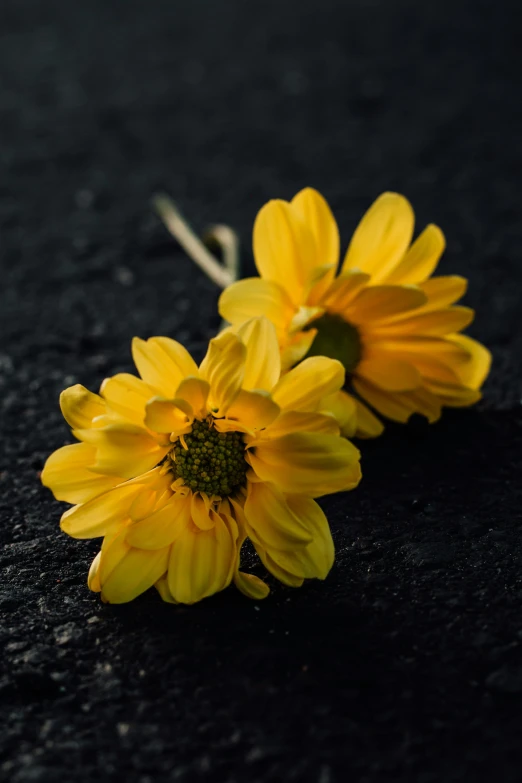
227	104
406	664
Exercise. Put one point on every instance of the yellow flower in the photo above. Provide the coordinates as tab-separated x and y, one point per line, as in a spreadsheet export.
176	468
394	328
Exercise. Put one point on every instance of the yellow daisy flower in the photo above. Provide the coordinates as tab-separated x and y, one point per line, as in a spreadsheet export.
395	329
177	468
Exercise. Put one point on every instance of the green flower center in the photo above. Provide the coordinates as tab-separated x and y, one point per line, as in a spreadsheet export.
213	462
337	339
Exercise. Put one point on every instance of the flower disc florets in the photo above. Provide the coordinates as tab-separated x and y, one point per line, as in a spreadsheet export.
337	339
213	462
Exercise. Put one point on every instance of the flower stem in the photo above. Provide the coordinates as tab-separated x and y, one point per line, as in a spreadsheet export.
221	274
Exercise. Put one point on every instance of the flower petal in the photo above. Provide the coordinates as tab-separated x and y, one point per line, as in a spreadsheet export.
368	425
435	323
127	395
101	515
303	387
194	391
249	412
307	463
297	347
474	372
382	237
270	521
201	562
375	303
315	560
421	259
263	360
224	368
284	248
392	405
295	421
453	395
80	406
343	408
163	526
66	473
173	416
254	297
123	449
200	511
388	373
443	291
313	210
93	578
134	574
343	291
251	586
162	363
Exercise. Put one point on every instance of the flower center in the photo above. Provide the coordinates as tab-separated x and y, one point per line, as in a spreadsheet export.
213	462
337	339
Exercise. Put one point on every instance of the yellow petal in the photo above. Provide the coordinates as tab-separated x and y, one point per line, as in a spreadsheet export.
375	303
93	579
163	526
343	291
250	411
474	372
302	388
313	210
123	450
421	259
254	297
113	549
194	391
67	474
297	347
127	395
392	405
201	562
368	425
435	323
251	586
162	586
80	406
382	237
134	574
315	560
454	396
443	291
287	578
263	360
307	463
162	363
200	511
270	521
173	416
388	373
425	403
224	368
295	421
102	515
284	248
343	408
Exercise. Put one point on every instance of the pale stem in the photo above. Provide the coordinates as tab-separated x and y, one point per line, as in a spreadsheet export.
221	275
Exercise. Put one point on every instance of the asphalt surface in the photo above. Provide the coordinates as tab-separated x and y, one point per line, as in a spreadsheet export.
406	664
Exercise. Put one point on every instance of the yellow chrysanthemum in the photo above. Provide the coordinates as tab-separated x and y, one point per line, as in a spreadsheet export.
394	328
177	468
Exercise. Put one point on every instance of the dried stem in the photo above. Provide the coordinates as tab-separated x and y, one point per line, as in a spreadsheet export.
221	275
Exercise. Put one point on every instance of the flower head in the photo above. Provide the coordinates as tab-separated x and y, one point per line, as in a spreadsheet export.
395	329
175	469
